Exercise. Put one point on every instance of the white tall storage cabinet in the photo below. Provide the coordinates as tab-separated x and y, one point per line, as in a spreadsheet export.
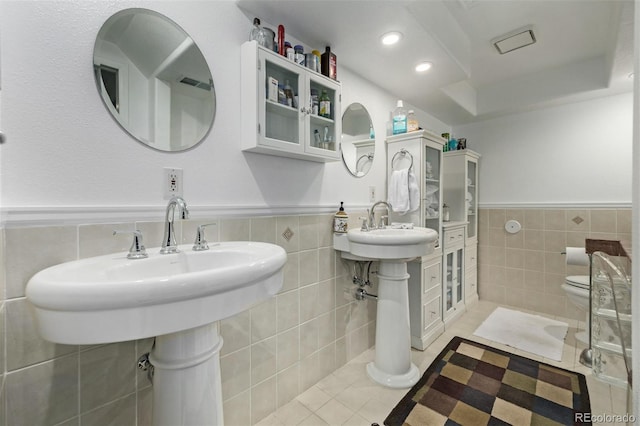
460	191
422	151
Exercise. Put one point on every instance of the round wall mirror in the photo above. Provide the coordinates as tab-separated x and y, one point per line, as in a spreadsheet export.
358	140
154	80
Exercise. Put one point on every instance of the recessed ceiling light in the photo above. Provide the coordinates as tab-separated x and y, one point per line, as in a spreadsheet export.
391	38
423	66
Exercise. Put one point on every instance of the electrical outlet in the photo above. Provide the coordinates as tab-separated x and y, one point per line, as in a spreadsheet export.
172	182
372	193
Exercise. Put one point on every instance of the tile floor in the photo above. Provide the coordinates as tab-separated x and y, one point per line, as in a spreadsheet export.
348	397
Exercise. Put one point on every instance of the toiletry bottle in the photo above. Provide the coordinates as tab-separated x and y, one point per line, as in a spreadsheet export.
256	32
316	55
325	105
340	220
299	54
288	93
412	122
329	63
281	48
399	119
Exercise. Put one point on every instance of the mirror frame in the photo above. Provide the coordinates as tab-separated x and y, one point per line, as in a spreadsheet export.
119	110
365	154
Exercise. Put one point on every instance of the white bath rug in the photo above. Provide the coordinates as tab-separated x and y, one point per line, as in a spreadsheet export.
532	333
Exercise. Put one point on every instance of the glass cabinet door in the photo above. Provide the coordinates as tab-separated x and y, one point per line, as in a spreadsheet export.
432	195
323	111
449	281
279	100
458	275
472	199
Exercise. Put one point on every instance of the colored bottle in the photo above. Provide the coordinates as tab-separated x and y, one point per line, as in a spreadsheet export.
329	63
399	119
281	48
325	105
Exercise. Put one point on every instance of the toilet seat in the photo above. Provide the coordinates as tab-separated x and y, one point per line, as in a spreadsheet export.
580	281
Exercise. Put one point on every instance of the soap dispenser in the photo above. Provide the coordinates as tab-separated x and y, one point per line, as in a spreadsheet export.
340	220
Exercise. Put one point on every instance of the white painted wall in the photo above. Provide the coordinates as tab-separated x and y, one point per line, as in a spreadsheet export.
565	155
65	151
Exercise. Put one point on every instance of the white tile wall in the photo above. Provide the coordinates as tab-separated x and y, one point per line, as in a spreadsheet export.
272	352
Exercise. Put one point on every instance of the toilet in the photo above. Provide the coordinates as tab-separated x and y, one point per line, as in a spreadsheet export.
577	289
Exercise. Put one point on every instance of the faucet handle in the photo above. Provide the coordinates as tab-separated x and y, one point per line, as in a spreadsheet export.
200	244
137	249
365	223
384	221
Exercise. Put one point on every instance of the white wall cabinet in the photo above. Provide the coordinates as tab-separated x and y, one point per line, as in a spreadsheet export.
289	128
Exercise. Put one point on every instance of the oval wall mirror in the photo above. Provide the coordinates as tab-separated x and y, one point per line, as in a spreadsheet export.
358	140
154	80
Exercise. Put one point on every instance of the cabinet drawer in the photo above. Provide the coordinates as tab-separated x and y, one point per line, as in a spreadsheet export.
431	313
432	277
470	284
453	236
471	257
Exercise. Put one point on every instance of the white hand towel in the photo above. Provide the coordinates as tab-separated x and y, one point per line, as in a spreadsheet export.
414	192
399	191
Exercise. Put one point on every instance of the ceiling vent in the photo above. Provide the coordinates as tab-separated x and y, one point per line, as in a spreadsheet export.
514	40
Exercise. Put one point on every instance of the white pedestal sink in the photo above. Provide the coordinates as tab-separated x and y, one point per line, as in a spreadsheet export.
176	298
392	366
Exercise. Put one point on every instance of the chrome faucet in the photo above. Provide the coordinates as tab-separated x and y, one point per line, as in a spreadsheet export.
169	244
372	220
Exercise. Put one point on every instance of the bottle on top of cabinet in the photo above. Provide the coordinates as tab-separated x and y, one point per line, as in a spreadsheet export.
329	64
256	32
399	119
412	122
299	54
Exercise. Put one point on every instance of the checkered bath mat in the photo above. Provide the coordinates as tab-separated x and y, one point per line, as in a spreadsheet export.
473	384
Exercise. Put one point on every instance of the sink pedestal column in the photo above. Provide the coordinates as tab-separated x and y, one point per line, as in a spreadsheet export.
392	366
187	388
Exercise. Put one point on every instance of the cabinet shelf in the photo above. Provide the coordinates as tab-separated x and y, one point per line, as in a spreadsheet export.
320	119
281	109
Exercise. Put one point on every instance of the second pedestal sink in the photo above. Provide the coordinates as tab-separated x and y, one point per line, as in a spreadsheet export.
392	366
176	298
